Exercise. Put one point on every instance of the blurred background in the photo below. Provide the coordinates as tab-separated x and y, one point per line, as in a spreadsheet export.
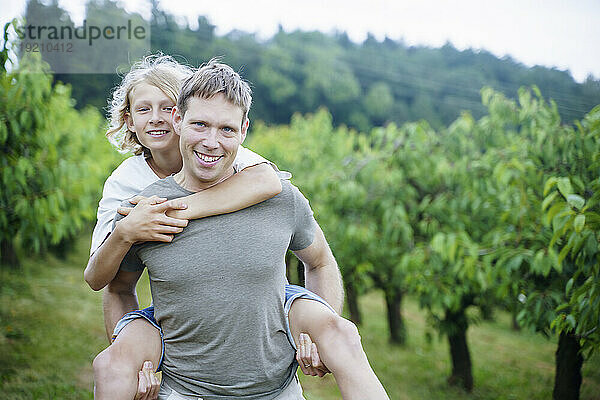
449	150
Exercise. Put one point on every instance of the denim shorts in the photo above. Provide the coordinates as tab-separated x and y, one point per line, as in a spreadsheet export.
292	292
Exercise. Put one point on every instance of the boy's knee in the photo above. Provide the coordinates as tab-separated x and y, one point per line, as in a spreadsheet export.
111	364
101	364
348	332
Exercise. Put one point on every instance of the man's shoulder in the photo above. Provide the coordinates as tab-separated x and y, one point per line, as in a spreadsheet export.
289	189
287	186
291	196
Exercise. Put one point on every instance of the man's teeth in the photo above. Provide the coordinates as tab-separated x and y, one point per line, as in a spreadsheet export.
157	133
207	158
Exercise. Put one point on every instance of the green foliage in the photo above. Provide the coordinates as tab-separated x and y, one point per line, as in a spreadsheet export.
311	144
525	138
54	160
500	210
572	206
362	84
379	101
546	179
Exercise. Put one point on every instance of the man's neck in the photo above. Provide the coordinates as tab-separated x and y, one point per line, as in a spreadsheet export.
193	184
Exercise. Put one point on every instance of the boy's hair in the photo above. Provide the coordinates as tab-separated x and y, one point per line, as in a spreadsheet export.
212	78
157	70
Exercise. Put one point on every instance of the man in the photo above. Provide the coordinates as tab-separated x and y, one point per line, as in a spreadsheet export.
218	288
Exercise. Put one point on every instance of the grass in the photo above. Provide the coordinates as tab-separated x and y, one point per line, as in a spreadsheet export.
51	328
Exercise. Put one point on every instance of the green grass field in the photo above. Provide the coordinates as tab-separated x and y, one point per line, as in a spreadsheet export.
51	328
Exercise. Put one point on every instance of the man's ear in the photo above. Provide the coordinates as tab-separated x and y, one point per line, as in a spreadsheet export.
176	120
245	126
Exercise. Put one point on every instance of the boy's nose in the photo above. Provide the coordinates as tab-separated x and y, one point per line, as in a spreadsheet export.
156	117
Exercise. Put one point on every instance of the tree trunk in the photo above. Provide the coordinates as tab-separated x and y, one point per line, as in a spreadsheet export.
352	299
487	312
459	351
394	315
568	368
63	248
8	255
515	323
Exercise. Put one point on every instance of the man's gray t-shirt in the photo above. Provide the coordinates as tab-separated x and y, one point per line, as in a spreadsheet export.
218	294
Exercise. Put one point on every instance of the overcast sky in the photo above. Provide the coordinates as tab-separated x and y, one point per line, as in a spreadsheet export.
554	33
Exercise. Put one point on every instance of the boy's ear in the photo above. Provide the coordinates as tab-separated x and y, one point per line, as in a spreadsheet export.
176	119
129	122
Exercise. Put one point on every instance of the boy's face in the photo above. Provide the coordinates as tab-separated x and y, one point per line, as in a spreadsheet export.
210	133
149	117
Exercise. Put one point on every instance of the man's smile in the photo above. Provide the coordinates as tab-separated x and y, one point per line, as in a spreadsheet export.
206	159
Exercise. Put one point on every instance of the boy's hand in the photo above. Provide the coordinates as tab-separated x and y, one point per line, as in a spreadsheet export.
148	383
308	357
148	220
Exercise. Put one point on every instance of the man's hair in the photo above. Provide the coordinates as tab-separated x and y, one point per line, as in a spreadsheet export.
157	70
213	78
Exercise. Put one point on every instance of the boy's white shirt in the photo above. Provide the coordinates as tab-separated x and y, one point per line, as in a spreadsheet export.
134	175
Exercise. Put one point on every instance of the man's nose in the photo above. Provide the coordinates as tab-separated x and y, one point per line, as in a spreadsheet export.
210	140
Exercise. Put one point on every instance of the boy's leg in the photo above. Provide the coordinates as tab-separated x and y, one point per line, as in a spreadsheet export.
339	348
116	368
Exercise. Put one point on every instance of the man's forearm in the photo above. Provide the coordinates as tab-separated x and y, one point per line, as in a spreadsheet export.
116	303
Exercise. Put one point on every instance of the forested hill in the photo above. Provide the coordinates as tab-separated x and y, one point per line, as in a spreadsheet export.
362	84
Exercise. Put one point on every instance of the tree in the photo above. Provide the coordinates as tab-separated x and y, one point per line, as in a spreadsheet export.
324	162
54	160
389	204
573	203
450	269
378	102
540	241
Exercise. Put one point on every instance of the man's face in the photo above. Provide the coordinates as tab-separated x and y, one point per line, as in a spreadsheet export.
210	133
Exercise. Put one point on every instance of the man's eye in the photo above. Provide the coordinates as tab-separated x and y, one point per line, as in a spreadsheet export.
142	109
168	109
199	124
228	130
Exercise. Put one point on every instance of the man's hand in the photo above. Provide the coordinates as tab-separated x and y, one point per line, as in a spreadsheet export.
148	383
148	220
308	357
